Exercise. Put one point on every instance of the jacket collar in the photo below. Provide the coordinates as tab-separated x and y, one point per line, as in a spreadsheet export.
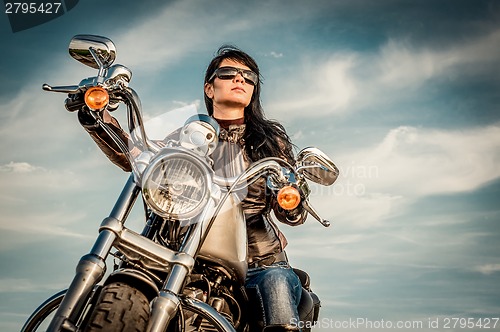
233	134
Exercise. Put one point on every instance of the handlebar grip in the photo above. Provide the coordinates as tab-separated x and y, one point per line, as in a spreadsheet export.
74	102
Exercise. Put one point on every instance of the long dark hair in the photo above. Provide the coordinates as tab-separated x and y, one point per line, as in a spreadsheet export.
263	137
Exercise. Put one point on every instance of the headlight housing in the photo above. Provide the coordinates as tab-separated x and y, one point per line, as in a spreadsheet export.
176	184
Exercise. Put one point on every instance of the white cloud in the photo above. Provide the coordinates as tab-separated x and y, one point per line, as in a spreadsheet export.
488	269
416	161
320	86
182	28
402	64
21	176
22	285
339	82
18	167
47	224
379	184
370	202
36	125
352	204
274	54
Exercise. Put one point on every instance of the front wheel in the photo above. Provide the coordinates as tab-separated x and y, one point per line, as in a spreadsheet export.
43	314
120	307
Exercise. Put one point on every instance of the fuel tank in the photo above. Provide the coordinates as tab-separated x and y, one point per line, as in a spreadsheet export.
226	242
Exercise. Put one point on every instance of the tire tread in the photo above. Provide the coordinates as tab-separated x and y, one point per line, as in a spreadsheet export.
120	308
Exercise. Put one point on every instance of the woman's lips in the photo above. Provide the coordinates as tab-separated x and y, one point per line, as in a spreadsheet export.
238	89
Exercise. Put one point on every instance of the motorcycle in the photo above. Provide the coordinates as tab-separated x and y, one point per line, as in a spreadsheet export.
186	270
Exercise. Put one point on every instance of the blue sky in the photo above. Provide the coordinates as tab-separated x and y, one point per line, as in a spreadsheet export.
402	95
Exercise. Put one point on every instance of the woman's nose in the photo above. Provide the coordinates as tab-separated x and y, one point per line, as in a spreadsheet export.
239	78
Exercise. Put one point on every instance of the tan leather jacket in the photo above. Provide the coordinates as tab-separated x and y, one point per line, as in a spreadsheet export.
264	237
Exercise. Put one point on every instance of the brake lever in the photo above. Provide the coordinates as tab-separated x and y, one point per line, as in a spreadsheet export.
63	89
307	206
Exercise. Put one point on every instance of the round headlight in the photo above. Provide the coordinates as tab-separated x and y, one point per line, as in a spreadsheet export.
176	185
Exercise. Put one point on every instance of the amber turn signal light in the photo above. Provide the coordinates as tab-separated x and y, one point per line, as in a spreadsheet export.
96	98
288	198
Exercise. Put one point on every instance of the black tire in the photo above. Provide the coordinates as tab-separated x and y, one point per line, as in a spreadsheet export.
120	307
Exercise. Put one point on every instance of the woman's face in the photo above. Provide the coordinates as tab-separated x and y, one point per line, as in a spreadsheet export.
227	94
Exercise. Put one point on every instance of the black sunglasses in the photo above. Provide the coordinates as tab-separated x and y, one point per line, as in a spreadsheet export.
228	73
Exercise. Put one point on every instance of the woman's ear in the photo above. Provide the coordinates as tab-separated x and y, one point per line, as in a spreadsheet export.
209	90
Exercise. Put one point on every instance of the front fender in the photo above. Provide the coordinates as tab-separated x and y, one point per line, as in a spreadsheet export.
208	312
137	279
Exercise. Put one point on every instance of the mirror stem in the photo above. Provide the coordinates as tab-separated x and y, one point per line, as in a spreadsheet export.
102	70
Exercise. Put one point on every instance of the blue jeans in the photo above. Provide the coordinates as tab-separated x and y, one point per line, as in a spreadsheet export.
278	290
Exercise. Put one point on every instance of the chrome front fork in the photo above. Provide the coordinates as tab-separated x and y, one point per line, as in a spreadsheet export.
92	267
165	306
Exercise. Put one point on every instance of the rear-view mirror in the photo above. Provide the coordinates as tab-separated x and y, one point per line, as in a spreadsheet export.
93	51
316	166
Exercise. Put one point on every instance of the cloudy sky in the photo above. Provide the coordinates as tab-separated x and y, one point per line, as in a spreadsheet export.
402	95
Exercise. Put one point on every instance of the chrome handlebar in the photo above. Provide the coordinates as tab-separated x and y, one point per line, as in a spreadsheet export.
276	167
62	89
272	165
